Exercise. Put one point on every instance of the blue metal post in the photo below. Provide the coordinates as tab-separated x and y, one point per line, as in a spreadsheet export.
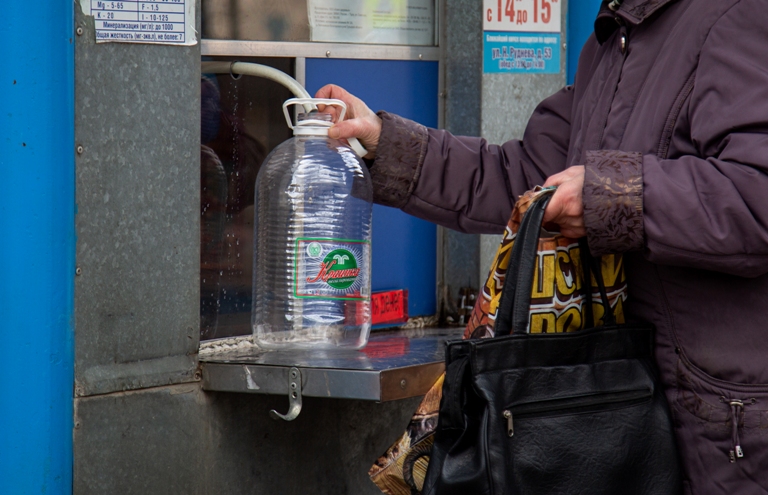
37	246
581	24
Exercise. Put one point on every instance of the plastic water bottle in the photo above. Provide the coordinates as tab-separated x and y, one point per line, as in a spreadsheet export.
312	240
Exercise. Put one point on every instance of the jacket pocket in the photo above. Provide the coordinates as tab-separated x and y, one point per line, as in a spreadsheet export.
722	430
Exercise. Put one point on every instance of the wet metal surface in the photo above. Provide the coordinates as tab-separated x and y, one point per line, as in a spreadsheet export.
393	365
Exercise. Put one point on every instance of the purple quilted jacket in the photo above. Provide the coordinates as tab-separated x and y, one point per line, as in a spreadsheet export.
669	114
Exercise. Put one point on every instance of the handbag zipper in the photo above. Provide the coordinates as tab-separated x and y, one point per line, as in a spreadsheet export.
573	404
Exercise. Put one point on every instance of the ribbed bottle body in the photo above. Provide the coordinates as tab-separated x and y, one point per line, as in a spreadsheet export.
312	247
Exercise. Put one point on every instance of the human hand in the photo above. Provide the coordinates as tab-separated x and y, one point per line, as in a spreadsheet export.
566	209
359	122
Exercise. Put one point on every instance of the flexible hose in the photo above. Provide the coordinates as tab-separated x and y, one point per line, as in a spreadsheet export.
259	70
280	77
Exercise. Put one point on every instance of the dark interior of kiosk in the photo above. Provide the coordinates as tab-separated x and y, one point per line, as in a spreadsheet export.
239	124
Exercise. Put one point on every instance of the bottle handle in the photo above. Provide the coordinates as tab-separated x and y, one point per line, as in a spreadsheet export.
310	104
358	148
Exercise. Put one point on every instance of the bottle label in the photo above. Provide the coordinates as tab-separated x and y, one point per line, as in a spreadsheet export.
331	269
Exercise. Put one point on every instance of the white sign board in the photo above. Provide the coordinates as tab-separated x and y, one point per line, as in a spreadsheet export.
166	22
527	16
390	22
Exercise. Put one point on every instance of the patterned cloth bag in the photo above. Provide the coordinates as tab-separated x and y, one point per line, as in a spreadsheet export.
558	297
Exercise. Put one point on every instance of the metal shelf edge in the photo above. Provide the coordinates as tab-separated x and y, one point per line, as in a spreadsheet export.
373	385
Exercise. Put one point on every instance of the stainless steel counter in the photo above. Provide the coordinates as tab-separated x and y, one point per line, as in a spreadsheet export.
394	365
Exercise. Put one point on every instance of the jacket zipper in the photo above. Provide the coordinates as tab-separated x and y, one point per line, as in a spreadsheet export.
585	403
736	413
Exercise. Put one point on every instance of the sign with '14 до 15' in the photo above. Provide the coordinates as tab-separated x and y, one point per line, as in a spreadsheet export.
521	36
529	16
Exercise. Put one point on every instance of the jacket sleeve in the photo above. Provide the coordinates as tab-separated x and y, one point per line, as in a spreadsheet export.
708	211
465	183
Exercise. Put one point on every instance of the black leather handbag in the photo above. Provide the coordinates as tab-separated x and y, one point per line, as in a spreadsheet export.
569	413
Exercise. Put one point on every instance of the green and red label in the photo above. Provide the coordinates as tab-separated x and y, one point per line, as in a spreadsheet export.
331	269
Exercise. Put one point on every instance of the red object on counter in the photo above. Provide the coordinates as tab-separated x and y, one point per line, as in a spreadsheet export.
389	307
387	348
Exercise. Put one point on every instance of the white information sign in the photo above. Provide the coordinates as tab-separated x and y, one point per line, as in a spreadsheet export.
527	16
391	22
167	22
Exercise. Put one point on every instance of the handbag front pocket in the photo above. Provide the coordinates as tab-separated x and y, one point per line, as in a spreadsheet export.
584	441
581	404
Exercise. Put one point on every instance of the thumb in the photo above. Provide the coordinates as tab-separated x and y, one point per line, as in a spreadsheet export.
349	128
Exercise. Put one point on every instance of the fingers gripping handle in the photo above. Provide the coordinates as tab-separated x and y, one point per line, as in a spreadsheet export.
311	104
513	315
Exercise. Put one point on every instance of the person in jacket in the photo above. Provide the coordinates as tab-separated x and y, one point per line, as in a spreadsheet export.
660	152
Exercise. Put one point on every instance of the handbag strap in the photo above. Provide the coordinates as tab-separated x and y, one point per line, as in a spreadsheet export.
609	318
454	394
586	269
521	268
591	267
513	315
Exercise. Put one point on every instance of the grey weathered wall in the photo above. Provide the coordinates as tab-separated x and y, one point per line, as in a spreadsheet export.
137	118
180	440
463	66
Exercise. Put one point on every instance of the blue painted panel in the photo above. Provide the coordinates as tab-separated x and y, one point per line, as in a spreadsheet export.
37	247
581	24
404	247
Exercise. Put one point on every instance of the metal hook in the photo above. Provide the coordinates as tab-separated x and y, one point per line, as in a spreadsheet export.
294	397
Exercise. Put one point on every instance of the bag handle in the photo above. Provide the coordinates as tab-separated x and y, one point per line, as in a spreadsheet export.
586	257
591	268
513	315
609	318
454	394
515	271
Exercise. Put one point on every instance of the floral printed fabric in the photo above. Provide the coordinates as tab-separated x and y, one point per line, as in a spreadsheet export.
400	155
613	201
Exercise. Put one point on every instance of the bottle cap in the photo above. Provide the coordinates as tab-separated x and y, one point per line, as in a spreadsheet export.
312	123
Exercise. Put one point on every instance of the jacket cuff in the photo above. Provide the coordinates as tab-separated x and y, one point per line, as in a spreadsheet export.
399	157
613	201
